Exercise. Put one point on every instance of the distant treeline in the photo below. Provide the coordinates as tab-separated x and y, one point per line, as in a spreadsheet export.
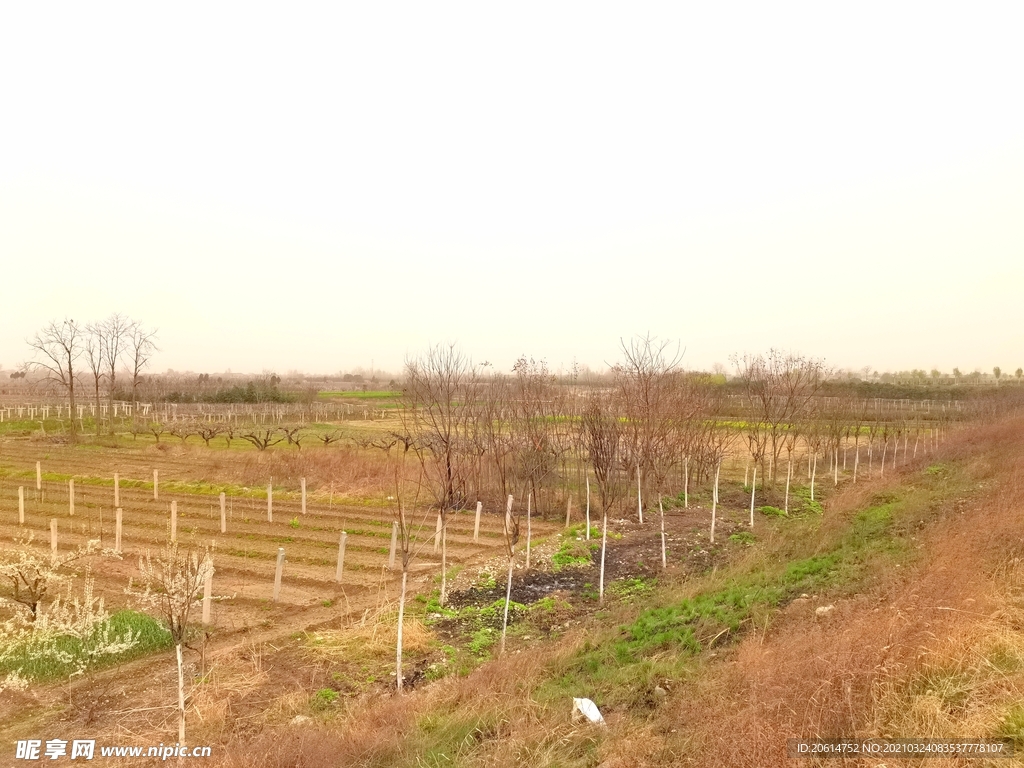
252	392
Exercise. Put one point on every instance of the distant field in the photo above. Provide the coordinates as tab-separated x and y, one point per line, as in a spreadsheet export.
353	395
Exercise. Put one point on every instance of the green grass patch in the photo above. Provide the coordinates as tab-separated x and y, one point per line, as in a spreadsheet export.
153	637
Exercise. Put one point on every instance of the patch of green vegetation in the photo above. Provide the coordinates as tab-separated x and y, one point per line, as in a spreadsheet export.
950	687
629	590
485	581
482	639
152	637
447	738
767	509
936	469
294	523
323	700
573	551
1012	726
743	537
804	501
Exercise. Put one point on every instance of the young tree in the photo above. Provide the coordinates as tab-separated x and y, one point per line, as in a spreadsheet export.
140	346
511	530
94	356
602	432
438	412
114	333
647	384
779	389
57	348
30	574
172	584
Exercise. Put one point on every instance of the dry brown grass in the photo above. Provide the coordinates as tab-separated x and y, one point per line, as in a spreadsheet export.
911	657
373	636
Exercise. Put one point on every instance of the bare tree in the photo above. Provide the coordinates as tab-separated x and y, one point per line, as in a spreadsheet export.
172	583
438	413
646	385
30	574
262	438
294	435
58	348
209	430
438	400
140	346
94	356
602	433
778	388
331	436
115	333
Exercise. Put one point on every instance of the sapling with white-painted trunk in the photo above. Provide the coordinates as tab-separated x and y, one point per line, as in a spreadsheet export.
53	537
604	551
117	490
156	485
302	483
568	509
71	497
686	483
174	521
753	490
173	582
511	539
588	508
402	527
881	468
270	502
789	477
714	502
21	505
639	497
223	513
442	520
476	522
664	552
529	526
814	472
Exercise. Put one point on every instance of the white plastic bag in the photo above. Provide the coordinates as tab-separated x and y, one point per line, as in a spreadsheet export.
588	709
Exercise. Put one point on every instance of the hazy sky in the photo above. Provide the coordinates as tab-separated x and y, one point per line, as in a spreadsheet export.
318	186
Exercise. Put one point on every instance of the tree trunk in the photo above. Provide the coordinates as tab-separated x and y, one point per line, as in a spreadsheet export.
604	548
181	698
664	554
444	560
588	507
401	617
686	483
508	599
753	490
529	527
714	503
639	497
789	475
